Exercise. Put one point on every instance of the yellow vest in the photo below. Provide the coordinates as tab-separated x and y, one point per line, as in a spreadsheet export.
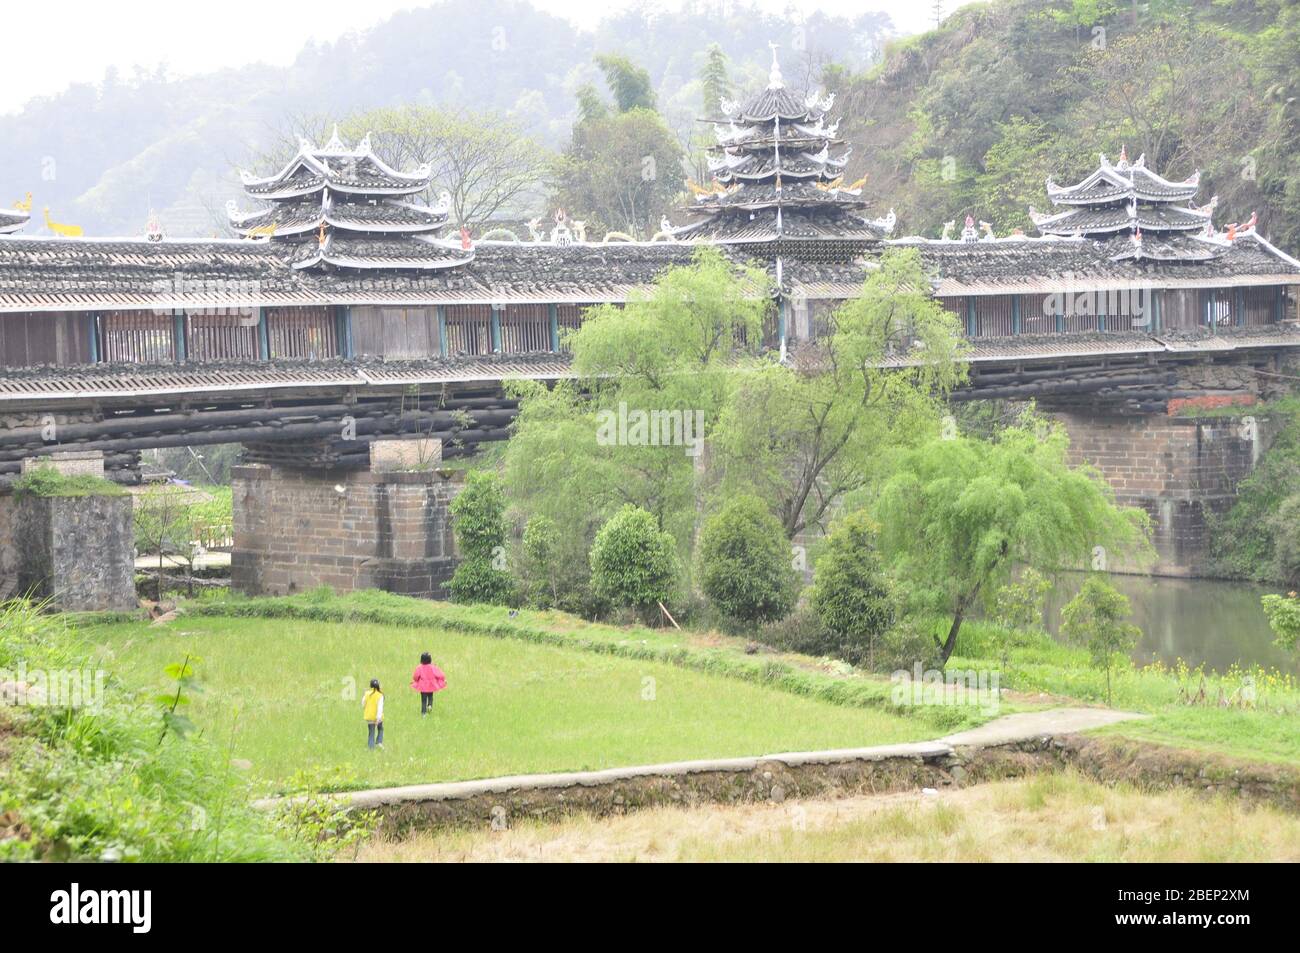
370	705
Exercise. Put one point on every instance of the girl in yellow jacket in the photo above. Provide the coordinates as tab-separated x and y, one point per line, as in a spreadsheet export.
372	710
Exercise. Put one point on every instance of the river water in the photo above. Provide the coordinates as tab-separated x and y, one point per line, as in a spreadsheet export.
1210	621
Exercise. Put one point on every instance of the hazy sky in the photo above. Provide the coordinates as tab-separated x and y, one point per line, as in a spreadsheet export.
49	44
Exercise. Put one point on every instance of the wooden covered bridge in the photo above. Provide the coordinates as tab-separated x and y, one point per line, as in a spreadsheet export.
343	316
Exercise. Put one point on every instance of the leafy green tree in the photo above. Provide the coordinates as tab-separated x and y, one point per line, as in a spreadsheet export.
850	592
1095	619
959	513
715	80
630	84
1285	527
1283	614
1251	540
1018	608
806	434
668	350
621	171
479	522
633	563
745	563
1015	170
541	570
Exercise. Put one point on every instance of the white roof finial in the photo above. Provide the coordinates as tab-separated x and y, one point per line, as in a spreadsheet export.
774	80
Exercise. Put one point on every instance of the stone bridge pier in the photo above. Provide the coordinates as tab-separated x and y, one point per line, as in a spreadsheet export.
1180	469
388	527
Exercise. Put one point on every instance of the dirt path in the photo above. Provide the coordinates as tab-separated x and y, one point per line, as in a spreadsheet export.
1028	725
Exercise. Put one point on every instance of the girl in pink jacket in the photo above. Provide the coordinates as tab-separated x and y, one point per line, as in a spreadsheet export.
428	678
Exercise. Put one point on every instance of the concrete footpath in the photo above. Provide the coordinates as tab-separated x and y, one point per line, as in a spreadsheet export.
772	777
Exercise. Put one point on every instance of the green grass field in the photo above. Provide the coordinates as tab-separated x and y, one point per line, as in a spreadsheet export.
1247	713
290	690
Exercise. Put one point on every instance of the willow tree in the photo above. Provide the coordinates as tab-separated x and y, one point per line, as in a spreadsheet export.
806	433
959	514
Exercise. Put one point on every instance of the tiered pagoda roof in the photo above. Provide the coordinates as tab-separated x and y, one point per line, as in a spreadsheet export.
777	169
1134	213
345	207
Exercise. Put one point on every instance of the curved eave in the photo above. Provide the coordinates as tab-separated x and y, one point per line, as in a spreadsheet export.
346	188
303	228
380	264
317	160
1153	227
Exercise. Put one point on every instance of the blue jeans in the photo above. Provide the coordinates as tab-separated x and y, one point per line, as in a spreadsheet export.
371	738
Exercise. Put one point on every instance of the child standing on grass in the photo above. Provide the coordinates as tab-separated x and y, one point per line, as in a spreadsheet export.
372	710
428	678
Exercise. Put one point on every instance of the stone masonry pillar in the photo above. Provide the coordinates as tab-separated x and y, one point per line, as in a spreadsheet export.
75	551
1180	469
382	529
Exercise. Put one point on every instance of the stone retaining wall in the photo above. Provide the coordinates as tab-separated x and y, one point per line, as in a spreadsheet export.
501	802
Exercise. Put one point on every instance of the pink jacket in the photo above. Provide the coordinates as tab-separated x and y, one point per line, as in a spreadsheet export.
428	678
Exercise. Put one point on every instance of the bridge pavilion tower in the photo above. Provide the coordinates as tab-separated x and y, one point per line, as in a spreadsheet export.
777	193
1134	214
337	206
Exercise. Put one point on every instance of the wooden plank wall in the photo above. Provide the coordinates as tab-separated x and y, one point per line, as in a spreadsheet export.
307	334
138	337
221	337
469	329
1259	306
525	328
1180	310
1037	314
994	316
45	338
1216	305
395	334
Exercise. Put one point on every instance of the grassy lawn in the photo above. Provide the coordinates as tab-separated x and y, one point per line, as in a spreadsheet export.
286	687
1057	817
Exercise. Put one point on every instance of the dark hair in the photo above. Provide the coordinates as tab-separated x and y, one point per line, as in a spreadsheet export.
426	658
374	683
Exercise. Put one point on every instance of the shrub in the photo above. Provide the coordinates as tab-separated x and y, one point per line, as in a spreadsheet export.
539	571
1019	604
480	526
905	645
745	565
1283	614
802	632
850	591
632	561
45	480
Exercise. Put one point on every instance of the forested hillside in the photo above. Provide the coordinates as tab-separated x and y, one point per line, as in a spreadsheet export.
973	117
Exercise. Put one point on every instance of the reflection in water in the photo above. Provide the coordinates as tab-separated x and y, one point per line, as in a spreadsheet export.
1198	620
